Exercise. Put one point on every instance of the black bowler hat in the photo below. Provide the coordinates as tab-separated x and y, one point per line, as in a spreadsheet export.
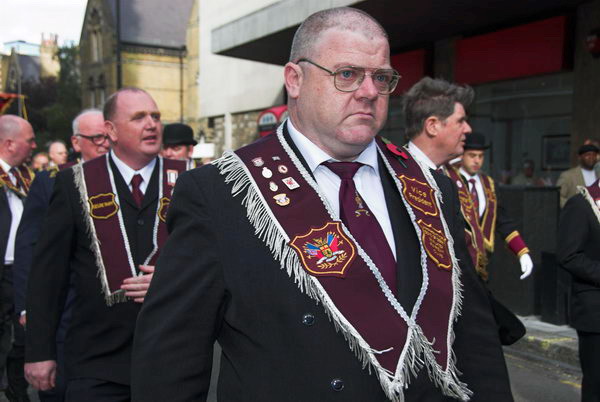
588	148
178	134
475	141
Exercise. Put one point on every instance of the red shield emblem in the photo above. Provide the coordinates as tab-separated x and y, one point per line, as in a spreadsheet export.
325	251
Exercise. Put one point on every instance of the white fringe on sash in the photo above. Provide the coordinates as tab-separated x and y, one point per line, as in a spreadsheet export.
79	179
417	350
586	194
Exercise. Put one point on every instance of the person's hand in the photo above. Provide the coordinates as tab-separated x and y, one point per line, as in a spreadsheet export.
41	375
136	287
23	320
526	265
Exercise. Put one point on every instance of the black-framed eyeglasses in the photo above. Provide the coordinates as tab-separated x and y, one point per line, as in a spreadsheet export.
349	78
97	139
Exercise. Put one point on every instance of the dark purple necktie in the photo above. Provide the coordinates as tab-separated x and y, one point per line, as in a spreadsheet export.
137	194
474	196
363	225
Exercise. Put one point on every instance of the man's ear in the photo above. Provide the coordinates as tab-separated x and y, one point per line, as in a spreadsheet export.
293	77
75	143
432	126
111	130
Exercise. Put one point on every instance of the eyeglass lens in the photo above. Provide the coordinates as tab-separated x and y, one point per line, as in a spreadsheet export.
350	78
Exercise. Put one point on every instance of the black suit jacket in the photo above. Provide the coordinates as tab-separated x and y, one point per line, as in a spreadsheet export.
28	233
578	252
5	221
216	281
99	339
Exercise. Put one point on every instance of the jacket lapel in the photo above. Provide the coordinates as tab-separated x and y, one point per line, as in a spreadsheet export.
152	189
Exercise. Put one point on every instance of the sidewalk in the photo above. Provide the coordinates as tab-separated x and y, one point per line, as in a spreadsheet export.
555	343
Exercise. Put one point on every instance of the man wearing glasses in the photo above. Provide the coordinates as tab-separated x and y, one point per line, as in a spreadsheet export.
90	139
320	279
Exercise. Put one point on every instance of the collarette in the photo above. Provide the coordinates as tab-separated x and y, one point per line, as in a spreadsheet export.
127	173
5	166
420	155
315	156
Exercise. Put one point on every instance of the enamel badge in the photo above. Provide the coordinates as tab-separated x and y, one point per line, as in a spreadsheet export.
281	199
290	183
258	162
325	251
267	173
273	186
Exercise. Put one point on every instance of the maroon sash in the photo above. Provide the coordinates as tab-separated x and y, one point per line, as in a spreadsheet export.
488	221
473	233
104	220
25	174
592	196
290	215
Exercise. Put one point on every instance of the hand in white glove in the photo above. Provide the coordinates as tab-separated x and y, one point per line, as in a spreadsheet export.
526	265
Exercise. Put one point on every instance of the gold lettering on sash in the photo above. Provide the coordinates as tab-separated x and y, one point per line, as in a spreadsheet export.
163	208
419	195
103	206
435	244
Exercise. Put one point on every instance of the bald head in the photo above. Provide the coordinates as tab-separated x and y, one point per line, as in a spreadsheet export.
11	125
58	152
343	19
16	139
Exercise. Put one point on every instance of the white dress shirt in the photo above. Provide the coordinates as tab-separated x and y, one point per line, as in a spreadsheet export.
589	176
15	203
127	173
419	155
366	180
478	187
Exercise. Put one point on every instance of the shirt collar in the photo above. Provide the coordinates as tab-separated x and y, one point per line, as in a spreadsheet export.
315	156
467	175
420	155
127	173
5	166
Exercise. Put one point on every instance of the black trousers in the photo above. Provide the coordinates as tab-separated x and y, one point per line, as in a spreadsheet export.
94	390
589	356
12	340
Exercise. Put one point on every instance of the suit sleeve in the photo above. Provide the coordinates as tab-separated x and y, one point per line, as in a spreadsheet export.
49	275
477	344
565	185
182	312
573	233
28	233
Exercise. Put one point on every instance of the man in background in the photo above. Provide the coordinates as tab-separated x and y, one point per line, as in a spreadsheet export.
178	143
581	175
40	161
17	141
90	139
57	151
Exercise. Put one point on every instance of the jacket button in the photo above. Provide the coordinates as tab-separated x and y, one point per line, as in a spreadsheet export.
140	222
337	384
308	319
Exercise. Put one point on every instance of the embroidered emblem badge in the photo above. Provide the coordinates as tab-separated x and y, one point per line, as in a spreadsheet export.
103	206
282	169
273	186
172	175
267	173
290	183
163	208
281	199
258	162
325	251
419	195
435	245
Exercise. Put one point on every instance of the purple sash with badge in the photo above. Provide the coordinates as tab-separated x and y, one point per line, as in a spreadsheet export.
104	221
293	218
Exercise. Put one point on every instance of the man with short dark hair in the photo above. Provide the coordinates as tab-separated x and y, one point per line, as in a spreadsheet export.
104	228
178	143
578	252
581	175
320	278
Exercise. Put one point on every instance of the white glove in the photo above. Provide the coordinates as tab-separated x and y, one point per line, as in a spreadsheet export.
526	265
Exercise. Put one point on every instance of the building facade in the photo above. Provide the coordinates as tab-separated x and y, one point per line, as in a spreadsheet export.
136	43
